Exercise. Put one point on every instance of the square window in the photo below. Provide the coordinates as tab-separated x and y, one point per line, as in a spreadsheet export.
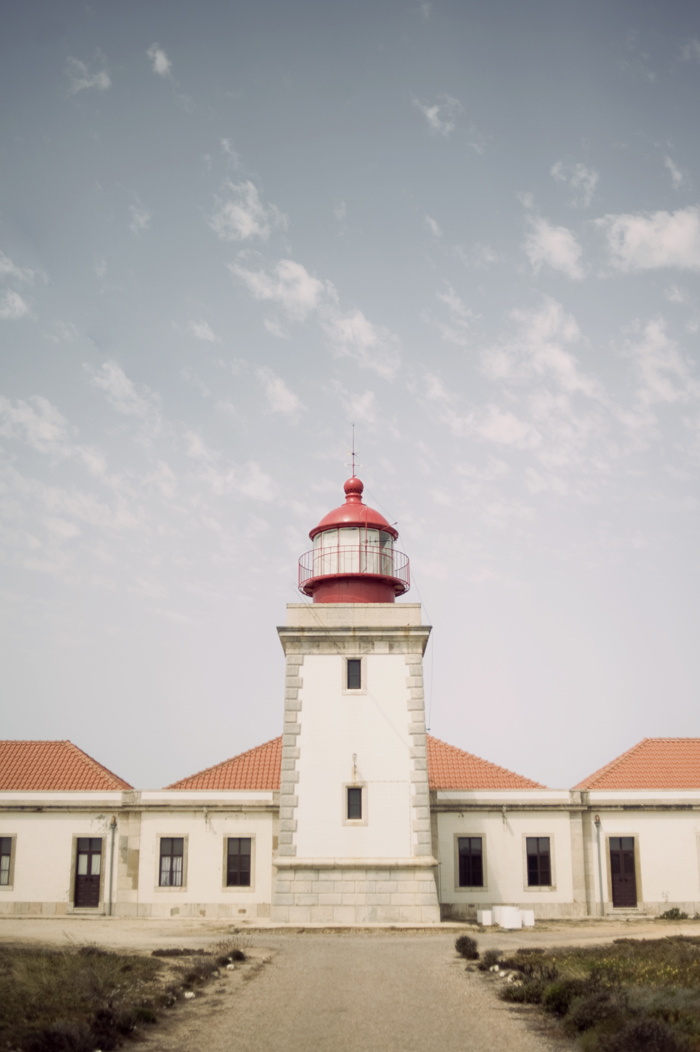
5	859
171	861
539	868
354	804
471	862
354	674
238	856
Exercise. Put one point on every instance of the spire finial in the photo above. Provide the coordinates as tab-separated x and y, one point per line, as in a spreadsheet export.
353	449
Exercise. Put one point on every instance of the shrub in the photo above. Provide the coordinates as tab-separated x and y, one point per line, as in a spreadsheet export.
674	914
529	993
557	997
467	947
63	1037
174	951
592	1009
488	959
643	1035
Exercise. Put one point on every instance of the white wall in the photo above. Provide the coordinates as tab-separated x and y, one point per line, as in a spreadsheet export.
374	726
505	868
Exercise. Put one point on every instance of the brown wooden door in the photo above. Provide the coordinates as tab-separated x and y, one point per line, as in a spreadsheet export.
624	881
88	867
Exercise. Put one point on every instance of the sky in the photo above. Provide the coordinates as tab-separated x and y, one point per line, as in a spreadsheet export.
229	231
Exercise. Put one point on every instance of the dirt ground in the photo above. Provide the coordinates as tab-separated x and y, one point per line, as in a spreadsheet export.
374	990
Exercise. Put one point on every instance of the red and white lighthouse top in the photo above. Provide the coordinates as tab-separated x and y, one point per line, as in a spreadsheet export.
353	513
353	559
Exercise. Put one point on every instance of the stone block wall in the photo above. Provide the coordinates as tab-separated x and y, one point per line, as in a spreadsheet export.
372	895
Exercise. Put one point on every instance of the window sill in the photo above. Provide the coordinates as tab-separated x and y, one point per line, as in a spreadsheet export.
159	887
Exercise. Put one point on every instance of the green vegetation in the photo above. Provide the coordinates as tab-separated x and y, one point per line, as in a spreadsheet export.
631	996
81	1000
467	947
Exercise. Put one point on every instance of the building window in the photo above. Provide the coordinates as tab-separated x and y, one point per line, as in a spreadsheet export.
5	859
471	862
238	862
539	868
354	804
354	674
171	861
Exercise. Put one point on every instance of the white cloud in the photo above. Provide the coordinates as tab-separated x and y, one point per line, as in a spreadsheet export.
691	50
290	285
202	330
241	215
350	333
9	270
36	422
275	329
675	295
666	373
539	348
12	306
140	219
433	227
442	115
82	77
353	335
554	245
426	10
161	62
581	179
654	239
120	391
505	428
677	177
340	211
279	397
461	318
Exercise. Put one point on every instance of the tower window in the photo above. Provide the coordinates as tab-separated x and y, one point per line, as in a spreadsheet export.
354	803
354	674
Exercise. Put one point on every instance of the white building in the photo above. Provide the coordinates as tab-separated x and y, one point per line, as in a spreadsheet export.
354	814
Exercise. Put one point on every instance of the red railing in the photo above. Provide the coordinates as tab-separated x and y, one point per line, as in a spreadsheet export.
363	560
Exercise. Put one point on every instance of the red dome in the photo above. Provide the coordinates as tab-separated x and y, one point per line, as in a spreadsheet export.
353	513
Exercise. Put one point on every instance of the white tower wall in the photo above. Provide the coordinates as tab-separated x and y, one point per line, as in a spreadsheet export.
331	869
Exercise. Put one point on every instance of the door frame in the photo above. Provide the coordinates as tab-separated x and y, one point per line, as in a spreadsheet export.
637	870
72	908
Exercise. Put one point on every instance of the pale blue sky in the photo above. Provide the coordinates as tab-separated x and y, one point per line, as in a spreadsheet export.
227	231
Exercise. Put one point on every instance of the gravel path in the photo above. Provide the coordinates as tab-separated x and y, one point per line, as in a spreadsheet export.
355	993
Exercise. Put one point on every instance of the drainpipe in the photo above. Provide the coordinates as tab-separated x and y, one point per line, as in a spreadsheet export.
600	867
112	829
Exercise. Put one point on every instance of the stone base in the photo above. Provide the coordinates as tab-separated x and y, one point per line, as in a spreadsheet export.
459	911
376	895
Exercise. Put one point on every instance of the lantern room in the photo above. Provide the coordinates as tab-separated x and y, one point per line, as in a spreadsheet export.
353	559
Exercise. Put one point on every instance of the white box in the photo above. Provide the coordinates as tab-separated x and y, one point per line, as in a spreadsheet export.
528	918
507	917
484	917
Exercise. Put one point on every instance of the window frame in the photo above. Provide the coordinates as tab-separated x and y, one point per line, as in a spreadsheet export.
364	800
12	837
170	888
484	867
224	879
538	888
362	689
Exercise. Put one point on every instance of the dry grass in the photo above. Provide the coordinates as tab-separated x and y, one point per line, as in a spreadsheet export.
77	1000
632	996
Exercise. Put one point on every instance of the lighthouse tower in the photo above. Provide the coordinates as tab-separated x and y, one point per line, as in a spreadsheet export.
354	833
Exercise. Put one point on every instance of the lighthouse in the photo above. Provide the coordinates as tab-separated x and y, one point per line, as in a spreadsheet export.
354	830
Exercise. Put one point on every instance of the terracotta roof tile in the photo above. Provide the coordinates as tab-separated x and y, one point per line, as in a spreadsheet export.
452	768
257	768
46	766
654	763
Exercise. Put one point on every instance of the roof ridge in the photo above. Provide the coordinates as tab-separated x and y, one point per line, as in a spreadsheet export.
222	763
587	783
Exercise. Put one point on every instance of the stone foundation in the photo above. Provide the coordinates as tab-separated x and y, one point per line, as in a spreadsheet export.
338	894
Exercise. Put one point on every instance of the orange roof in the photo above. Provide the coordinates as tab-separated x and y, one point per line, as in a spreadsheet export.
257	768
448	768
452	768
654	763
46	766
